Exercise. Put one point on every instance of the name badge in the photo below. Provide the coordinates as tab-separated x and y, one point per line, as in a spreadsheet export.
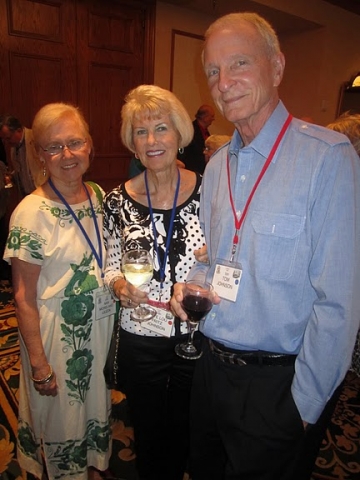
226	280
105	305
162	323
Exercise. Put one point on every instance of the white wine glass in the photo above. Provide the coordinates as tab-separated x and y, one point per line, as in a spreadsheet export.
137	267
197	303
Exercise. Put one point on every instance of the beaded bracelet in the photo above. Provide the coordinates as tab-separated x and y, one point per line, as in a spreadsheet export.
112	283
44	380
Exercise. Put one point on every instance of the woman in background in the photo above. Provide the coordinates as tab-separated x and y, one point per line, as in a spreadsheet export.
157	211
212	143
56	253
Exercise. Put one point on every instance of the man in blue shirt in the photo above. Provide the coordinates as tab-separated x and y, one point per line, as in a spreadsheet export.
280	209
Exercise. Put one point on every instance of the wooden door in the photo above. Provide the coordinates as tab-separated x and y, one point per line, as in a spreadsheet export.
87	52
113	48
37	55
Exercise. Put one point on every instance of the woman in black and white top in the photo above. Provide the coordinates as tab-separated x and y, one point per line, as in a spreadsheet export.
156	211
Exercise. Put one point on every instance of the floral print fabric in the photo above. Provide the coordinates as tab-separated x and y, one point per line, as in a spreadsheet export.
72	429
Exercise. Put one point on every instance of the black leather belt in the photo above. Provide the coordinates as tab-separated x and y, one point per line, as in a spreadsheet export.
243	357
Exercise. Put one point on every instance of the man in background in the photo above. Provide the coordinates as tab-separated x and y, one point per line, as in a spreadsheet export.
193	155
22	153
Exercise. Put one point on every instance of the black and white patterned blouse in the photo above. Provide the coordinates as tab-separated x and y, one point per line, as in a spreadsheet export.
127	225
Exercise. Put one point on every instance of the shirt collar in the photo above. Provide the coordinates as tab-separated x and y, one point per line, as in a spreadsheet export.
265	139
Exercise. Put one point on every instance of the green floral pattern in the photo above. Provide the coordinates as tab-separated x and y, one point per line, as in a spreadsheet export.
21	238
71	455
26	439
66	299
63	214
76	311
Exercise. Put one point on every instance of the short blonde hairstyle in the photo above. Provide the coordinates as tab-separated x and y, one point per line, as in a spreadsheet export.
151	101
45	118
349	125
50	114
234	20
216	141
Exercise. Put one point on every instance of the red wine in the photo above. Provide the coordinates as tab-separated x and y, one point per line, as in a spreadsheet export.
196	307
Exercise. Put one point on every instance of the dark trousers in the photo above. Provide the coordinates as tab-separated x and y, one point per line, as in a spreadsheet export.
157	384
246	426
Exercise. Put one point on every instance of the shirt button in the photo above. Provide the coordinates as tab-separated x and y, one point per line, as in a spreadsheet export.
242	178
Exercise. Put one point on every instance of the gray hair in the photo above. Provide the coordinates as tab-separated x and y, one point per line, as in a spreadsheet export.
234	20
349	125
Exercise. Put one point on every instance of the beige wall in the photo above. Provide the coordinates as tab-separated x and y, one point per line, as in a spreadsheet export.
318	61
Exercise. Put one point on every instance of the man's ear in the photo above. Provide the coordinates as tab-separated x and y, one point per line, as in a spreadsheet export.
278	68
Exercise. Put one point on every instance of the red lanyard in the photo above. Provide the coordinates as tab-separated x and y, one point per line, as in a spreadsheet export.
239	222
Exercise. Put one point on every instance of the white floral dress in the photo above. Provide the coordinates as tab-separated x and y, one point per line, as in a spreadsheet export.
71	430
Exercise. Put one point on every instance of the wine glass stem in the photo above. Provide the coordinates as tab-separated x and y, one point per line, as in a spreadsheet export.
191	326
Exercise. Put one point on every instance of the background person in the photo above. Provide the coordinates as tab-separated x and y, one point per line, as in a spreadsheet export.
193	154
23	157
348	124
56	254
212	143
5	186
138	215
279	342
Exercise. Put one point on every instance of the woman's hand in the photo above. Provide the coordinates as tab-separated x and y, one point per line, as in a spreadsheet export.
128	294
48	388
201	254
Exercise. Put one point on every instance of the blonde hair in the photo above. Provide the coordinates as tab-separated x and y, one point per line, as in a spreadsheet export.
45	118
234	21
215	141
152	101
349	125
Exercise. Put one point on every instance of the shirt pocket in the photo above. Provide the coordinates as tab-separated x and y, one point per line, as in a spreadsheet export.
275	243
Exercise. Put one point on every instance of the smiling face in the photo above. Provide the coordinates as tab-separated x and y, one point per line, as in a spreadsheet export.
67	166
242	77
156	142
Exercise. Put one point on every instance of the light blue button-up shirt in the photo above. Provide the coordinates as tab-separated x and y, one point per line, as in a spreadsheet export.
299	250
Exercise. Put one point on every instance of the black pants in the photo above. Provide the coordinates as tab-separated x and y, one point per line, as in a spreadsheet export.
157	384
245	424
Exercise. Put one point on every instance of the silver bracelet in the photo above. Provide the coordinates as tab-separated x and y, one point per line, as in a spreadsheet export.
112	283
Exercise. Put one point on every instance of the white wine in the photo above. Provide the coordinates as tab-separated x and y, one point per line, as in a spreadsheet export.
138	274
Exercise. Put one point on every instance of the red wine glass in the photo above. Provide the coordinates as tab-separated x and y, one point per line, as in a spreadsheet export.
197	303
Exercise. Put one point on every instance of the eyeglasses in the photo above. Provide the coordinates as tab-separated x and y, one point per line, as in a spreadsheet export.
58	148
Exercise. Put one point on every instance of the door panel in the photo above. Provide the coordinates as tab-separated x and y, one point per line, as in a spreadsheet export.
86	52
110	62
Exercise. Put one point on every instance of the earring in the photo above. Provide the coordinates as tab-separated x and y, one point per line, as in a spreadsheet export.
44	170
181	150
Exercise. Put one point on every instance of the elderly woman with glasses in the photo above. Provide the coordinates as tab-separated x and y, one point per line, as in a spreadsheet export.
156	211
56	253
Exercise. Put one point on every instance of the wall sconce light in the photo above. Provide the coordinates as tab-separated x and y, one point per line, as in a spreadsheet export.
356	81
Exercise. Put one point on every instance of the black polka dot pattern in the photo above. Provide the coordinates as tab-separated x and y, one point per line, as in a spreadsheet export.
127	225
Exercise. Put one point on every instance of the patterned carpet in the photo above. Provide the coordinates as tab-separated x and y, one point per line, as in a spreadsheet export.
339	457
